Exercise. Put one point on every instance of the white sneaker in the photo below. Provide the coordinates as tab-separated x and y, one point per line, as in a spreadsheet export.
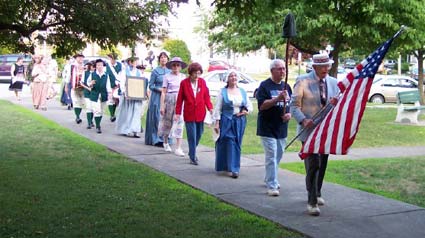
179	152
273	192
320	201
313	210
167	147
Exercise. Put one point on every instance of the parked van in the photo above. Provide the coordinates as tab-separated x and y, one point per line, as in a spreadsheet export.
6	62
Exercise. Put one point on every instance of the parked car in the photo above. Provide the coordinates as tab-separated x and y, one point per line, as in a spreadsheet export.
341	73
390	64
385	87
219	65
414	73
216	80
308	65
349	64
6	62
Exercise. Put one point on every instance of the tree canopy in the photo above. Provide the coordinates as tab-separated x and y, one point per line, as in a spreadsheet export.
345	24
69	24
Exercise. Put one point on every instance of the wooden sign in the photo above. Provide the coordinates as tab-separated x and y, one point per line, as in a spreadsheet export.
136	88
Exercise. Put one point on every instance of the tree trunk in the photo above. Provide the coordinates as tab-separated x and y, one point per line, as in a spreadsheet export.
421	74
335	55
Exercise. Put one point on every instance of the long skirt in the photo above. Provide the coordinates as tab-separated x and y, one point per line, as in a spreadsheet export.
152	120
129	114
39	94
16	85
228	145
66	97
167	125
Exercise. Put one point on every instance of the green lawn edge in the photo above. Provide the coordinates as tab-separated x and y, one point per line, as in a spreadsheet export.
48	188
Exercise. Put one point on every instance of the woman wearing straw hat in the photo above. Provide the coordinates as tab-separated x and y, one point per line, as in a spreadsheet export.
170	89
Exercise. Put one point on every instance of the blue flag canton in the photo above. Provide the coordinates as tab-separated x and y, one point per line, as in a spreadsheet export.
374	60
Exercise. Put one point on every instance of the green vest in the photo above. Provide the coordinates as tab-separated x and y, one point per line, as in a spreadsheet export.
99	88
86	76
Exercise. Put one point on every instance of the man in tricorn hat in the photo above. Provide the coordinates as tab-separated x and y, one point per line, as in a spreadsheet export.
99	82
312	92
116	73
76	77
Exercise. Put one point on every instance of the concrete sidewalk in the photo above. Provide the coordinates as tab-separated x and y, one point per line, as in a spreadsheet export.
347	213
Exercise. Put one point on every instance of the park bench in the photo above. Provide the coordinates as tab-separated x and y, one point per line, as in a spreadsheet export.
408	113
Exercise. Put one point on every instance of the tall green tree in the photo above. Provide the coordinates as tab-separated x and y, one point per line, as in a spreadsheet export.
177	48
69	24
345	24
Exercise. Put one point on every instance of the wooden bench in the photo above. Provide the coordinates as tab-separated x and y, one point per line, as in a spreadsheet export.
408	113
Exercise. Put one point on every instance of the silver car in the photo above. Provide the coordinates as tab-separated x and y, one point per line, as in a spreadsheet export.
216	80
385	87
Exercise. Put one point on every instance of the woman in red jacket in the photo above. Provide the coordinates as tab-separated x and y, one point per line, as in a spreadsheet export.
196	97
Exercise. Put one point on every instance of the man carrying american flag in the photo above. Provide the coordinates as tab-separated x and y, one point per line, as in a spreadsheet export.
331	128
312	94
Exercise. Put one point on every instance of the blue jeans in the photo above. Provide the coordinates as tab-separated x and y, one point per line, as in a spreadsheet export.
273	149
194	132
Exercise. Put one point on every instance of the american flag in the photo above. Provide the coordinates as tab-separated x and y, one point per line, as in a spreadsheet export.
337	131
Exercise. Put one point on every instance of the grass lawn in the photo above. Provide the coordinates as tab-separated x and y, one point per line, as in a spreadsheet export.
398	178
377	129
54	183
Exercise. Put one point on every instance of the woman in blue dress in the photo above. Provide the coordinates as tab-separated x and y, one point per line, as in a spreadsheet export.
153	114
130	111
231	109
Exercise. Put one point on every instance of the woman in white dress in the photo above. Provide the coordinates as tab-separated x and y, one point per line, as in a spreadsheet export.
129	111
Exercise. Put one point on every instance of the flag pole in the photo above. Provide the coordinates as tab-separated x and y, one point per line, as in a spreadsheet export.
289	30
314	118
315	124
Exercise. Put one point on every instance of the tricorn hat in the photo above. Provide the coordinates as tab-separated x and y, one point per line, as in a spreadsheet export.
176	60
113	55
78	55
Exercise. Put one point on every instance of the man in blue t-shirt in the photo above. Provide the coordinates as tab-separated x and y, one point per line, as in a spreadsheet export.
272	123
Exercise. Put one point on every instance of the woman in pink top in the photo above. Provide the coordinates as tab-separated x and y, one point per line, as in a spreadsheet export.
170	89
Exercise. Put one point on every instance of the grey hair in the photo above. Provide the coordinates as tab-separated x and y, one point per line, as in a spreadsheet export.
228	72
275	62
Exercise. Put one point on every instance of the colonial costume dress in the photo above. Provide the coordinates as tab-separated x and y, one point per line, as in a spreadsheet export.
232	128
172	84
129	110
40	86
66	99
153	114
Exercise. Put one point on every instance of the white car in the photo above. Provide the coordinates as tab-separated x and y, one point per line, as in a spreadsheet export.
216	80
385	87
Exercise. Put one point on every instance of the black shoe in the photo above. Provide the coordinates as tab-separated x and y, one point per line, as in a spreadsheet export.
234	175
159	144
78	120
98	130
135	135
194	162
89	126
113	119
69	107
141	130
